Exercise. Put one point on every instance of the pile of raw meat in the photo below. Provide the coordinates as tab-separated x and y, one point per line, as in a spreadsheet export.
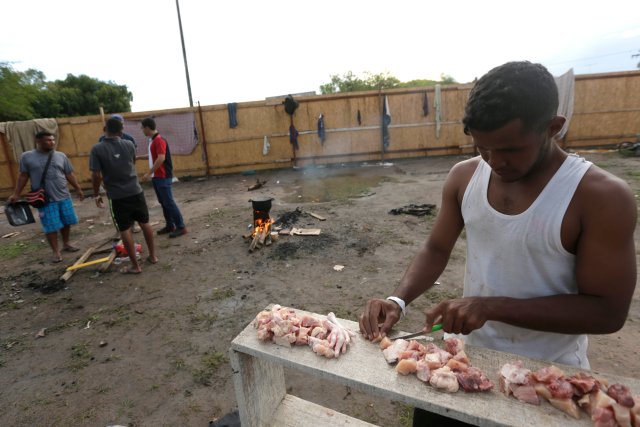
447	369
607	405
283	326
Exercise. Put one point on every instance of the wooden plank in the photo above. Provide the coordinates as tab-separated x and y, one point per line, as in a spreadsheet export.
88	263
259	385
363	368
306	231
316	216
67	275
296	412
112	256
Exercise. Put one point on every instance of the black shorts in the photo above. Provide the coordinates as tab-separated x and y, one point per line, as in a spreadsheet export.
129	209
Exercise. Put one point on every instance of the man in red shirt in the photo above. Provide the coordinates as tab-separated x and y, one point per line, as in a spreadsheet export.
161	174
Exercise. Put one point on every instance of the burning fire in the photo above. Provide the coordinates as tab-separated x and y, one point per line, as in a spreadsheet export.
262	227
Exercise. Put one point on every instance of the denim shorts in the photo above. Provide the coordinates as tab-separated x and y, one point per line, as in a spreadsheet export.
57	215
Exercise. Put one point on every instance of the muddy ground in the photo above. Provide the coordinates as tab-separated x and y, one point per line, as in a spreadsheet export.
152	349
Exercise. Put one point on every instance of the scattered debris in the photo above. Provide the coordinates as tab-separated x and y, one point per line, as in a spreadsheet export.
88	325
338	267
417	210
103	343
41	333
305	231
257	185
15	233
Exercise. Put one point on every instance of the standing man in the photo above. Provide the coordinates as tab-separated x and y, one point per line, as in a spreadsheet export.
113	160
550	247
58	214
161	174
124	134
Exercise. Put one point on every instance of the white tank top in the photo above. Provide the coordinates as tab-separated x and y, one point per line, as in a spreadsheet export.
521	256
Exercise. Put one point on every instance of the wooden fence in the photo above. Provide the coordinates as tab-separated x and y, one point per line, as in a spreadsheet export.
606	112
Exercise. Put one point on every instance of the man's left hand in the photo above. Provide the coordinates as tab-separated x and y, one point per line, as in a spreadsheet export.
461	315
145	177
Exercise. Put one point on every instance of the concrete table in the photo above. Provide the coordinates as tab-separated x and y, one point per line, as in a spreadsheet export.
259	381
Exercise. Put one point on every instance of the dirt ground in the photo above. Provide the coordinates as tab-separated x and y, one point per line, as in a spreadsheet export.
152	349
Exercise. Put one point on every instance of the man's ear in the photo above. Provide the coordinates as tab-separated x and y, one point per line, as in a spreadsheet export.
555	125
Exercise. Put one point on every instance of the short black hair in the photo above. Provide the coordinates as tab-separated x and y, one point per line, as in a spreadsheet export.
43	133
114	126
515	90
149	123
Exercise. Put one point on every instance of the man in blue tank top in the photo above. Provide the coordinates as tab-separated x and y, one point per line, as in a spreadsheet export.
550	237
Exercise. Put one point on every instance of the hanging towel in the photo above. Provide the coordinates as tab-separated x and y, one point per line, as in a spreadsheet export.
437	105
293	137
265	146
566	88
425	105
232	109
321	134
386	121
359	117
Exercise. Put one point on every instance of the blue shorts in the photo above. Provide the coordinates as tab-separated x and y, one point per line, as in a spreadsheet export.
56	215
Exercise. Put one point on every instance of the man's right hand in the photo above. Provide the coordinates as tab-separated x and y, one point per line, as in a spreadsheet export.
13	198
376	312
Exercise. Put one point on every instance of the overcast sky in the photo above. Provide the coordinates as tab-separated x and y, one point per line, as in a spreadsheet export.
248	50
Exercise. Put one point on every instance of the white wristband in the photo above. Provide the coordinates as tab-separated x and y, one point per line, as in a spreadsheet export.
401	303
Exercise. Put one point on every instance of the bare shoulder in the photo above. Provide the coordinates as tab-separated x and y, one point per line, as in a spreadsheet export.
600	192
460	175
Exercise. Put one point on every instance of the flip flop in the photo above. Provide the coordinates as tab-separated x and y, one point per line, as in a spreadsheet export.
129	270
70	249
56	260
151	261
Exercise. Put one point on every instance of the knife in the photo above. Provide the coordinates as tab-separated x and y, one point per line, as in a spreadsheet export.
435	328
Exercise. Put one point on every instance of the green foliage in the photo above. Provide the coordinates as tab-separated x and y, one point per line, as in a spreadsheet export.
349	82
27	95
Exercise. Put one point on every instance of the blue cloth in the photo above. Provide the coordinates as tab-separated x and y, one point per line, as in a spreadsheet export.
232	109
321	133
172	215
57	215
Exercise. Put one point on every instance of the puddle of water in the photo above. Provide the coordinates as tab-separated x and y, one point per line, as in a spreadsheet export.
332	188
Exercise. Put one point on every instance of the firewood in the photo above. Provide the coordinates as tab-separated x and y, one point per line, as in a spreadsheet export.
254	242
316	216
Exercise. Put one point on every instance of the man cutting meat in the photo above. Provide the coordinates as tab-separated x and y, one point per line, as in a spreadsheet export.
550	248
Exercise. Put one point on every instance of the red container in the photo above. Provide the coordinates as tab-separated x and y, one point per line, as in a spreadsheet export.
120	249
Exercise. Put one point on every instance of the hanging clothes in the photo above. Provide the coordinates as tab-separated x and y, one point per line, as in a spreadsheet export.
293	137
265	146
438	106
386	121
321	133
425	104
232	109
359	117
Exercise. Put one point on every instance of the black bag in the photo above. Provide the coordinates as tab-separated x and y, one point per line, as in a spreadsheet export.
19	213
38	198
290	105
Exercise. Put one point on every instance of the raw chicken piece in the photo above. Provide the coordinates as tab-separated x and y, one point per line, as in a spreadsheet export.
444	379
303	336
515	373
321	347
454	345
621	394
582	383
515	379
473	379
456	366
391	353
547	374
422	371
567	406
600	399
622	414
560	389
309	321
525	393
385	343
409	354
603	417
461	356
407	366
319	332
284	340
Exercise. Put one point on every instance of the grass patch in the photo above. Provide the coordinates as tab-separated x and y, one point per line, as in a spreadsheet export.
16	249
210	363
80	356
436	296
405	415
220	294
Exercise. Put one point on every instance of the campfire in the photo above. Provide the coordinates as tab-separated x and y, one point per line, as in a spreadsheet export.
262	222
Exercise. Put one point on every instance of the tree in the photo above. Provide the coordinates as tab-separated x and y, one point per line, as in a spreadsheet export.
349	82
28	95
